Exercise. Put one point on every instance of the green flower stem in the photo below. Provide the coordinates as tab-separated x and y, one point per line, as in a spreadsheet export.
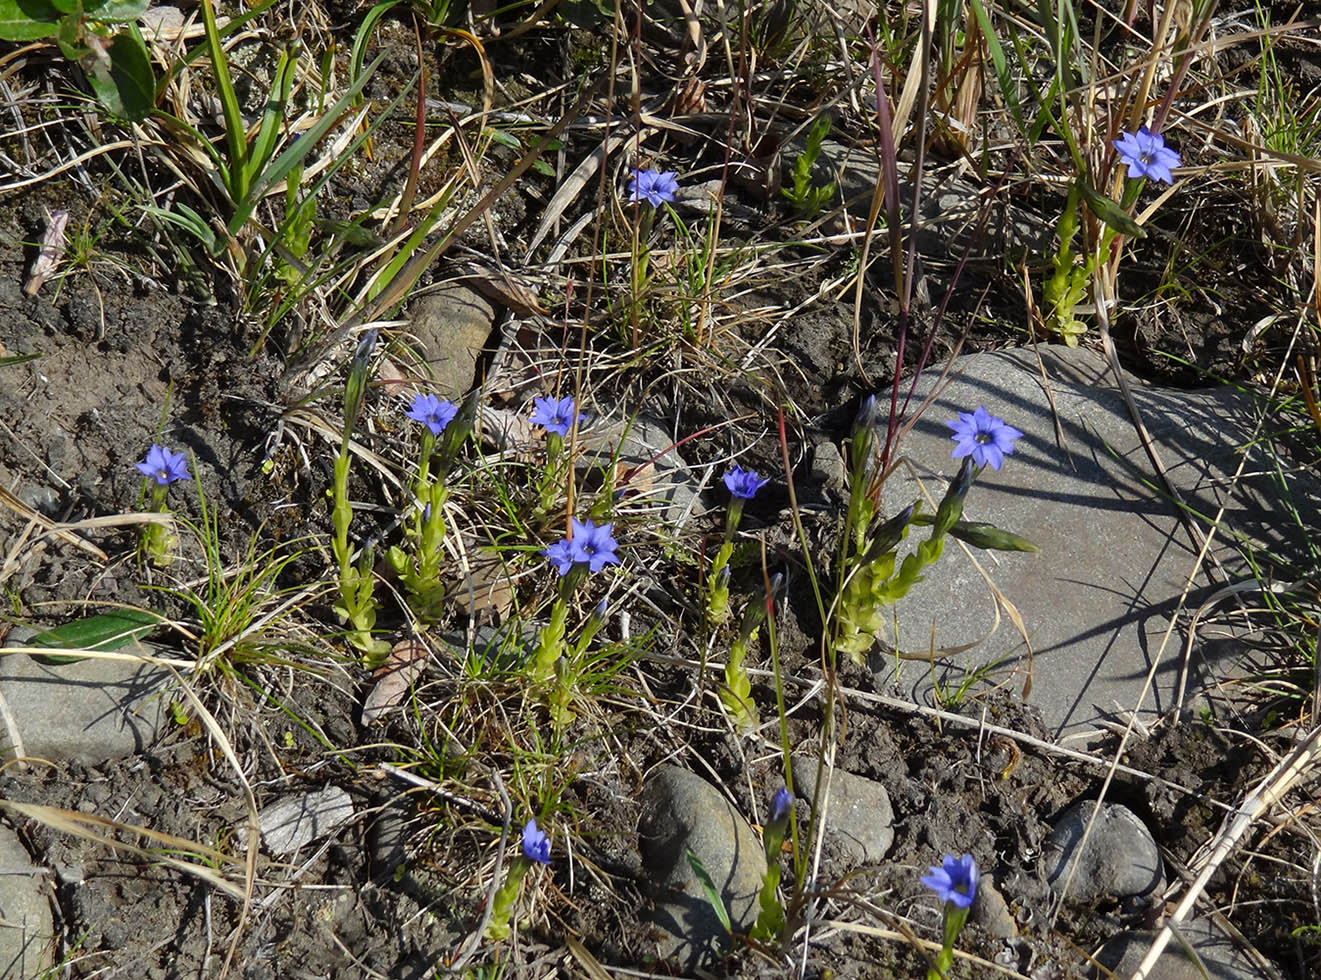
157	539
717	598
550	644
422	482
737	692
549	488
955	918
502	903
357	605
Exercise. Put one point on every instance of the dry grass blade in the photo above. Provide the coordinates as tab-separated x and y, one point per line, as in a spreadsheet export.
1279	781
86	825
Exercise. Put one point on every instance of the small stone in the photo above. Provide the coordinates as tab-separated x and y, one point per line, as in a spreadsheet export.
1122	954
1119	859
294	823
991	912
451	327
860	819
682	812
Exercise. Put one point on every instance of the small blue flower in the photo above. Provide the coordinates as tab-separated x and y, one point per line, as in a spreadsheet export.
656	187
744	484
1146	155
595	545
955	881
536	845
555	415
432	412
562	555
781	803
164	466
984	437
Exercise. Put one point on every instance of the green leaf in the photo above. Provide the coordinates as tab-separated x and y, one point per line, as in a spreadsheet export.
1110	212
130	71
117	11
991	537
70	39
27	20
708	886
104	631
68	7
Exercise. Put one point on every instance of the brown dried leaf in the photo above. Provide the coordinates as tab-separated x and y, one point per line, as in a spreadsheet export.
50	247
394	680
486	593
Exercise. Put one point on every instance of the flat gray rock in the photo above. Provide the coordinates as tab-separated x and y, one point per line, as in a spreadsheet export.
1122	954
1119	859
681	811
293	823
27	931
1096	600
90	712
859	818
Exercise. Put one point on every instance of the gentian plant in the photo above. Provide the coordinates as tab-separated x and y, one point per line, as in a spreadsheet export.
557	416
736	693
419	571
955	884
871	583
588	549
770	914
536	850
653	188
163	468
357	605
743	486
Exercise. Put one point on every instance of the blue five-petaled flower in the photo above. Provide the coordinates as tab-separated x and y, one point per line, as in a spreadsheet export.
781	803
656	187
536	845
1146	155
164	466
432	412
955	880
555	415
984	437
590	545
744	484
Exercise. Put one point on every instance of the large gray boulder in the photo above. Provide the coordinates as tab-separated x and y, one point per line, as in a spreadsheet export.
1096	600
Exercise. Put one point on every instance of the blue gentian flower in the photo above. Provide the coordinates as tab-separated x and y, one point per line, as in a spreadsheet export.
536	845
1146	155
594	545
780	804
590	545
164	466
562	555
554	415
744	484
984	437
432	412
656	187
955	881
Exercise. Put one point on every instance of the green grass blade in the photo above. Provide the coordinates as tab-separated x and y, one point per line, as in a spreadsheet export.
236	140
1002	73
272	117
712	893
297	153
